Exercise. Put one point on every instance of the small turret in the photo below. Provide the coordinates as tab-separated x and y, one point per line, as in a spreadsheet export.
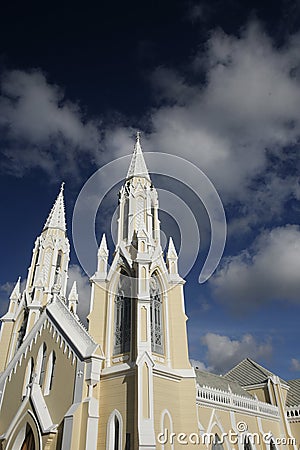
15	296
102	260
73	299
172	260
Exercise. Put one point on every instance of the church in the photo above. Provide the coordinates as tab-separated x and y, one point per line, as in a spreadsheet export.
126	382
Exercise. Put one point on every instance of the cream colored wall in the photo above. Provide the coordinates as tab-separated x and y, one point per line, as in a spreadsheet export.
262	394
177	327
5	343
178	398
61	394
295	431
98	316
118	393
225	420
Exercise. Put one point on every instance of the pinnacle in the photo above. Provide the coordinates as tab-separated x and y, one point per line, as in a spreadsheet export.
138	166
103	250
73	292
56	218
171	250
16	290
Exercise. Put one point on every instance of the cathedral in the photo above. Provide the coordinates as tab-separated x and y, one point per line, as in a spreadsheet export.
125	382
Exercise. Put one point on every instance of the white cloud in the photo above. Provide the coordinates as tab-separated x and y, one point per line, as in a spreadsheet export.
268	271
230	126
43	129
199	365
223	352
295	364
83	287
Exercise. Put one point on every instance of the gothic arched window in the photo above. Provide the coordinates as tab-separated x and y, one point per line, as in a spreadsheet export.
217	443
50	373
156	315
28	376
41	364
247	444
114	431
22	329
28	443
122	315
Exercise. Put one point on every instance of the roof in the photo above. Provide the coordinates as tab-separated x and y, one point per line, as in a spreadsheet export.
293	396
220	382
249	372
138	166
56	218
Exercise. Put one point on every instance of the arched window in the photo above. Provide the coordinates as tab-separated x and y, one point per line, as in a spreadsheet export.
122	315
167	424
28	443
114	431
217	443
41	364
156	315
50	373
22	329
247	443
28	376
57	278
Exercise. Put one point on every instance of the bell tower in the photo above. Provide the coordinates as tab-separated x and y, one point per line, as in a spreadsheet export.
47	275
137	315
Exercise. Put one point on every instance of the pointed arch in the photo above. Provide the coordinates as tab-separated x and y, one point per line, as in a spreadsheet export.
156	314
272	445
41	364
122	314
26	434
28	376
114	431
166	423
217	443
50	373
215	427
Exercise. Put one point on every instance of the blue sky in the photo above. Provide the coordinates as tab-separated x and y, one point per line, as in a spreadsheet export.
216	83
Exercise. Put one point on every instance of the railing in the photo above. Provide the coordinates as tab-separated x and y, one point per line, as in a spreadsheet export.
229	400
293	413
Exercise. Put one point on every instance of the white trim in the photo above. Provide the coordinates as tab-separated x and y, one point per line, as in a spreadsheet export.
163	414
110	430
15	424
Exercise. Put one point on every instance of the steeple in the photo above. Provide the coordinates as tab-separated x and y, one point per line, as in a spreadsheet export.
47	273
138	166
56	218
138	204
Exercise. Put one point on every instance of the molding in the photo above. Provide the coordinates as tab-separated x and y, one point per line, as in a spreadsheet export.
173	374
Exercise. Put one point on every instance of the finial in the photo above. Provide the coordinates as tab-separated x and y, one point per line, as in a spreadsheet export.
138	137
62	186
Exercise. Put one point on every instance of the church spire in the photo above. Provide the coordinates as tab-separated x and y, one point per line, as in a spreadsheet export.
56	218
138	166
